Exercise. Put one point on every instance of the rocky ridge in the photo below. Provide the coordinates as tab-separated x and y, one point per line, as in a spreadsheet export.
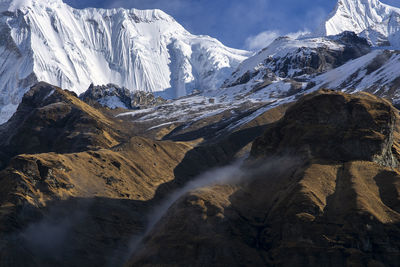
361	128
304	197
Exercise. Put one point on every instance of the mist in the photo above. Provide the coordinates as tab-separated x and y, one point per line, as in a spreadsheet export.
223	175
236	173
50	237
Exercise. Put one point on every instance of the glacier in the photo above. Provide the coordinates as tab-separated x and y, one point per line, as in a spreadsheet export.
146	50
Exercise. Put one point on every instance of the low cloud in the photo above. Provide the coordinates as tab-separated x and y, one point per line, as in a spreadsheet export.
299	34
261	40
52	236
265	38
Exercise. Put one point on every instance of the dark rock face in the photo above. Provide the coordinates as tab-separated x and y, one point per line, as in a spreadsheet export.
316	192
131	100
334	126
309	61
296	70
320	59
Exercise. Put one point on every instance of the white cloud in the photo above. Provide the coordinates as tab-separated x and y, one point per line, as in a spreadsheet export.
295	35
263	39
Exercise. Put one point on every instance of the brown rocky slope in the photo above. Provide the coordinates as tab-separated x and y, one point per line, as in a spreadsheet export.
77	183
321	188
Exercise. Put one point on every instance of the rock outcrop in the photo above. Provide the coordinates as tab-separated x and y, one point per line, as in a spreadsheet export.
334	126
113	96
287	58
50	119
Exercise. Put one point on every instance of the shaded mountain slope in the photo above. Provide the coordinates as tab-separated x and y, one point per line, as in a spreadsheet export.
320	189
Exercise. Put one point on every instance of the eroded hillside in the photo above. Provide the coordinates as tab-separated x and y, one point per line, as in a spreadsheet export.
321	188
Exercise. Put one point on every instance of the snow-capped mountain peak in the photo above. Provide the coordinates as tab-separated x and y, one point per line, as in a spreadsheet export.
144	50
356	16
377	22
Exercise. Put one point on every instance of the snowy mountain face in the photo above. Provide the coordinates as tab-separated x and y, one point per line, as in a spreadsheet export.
294	62
342	57
147	50
377	72
377	22
345	55
150	51
278	74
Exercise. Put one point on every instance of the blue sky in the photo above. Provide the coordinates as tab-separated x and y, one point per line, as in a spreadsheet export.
244	24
